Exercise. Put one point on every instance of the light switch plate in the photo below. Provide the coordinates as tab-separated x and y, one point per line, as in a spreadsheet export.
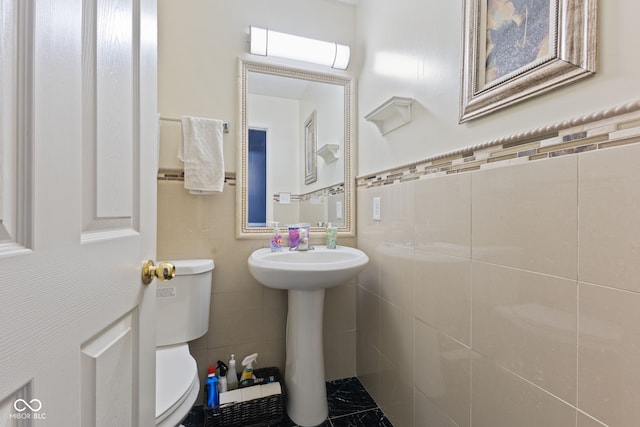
285	198
376	208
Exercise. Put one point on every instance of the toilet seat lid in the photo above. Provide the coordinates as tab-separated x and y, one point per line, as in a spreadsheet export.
176	373
186	267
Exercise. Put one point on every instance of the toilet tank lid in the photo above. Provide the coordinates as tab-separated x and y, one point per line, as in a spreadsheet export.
192	266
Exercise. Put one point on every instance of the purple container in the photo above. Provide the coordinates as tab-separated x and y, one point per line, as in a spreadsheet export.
294	237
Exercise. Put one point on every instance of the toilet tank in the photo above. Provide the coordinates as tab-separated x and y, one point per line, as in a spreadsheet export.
182	304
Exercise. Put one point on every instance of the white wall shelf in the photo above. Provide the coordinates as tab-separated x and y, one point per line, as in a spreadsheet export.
392	114
329	152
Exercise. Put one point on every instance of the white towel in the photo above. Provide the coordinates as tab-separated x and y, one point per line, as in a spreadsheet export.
202	154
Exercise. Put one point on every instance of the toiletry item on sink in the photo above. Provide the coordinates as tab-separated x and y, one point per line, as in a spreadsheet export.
222	381
276	238
294	236
211	389
247	378
306	228
331	237
303	243
232	375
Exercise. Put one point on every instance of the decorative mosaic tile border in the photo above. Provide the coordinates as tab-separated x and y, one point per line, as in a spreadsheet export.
323	192
605	129
170	174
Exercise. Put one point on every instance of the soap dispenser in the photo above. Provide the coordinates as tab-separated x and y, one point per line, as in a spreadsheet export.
331	237
276	238
232	375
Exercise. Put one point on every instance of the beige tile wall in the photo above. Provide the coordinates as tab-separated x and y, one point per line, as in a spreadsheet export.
246	317
505	296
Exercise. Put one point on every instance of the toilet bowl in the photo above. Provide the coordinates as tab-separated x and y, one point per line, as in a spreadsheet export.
177	384
182	313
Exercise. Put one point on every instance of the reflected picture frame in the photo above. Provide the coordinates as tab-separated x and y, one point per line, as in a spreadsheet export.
513	51
310	150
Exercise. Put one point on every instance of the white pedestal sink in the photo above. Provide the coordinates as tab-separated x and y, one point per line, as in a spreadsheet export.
306	275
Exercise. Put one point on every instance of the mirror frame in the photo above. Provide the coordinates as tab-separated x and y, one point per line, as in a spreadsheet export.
243	231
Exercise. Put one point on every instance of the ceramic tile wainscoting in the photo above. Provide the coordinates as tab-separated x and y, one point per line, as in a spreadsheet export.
246	317
509	295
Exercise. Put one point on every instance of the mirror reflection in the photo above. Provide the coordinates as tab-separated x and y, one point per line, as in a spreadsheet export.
295	149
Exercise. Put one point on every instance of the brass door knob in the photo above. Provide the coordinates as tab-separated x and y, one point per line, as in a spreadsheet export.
163	271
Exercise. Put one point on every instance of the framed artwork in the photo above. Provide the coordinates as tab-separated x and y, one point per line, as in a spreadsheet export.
516	49
310	157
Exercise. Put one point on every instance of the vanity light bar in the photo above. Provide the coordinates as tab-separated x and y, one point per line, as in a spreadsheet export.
272	43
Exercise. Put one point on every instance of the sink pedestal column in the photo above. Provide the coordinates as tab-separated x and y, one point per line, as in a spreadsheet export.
304	370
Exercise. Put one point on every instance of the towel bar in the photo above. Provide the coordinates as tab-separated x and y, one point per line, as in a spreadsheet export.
225	126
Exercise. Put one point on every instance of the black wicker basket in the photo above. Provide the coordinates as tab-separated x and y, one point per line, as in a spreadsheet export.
263	411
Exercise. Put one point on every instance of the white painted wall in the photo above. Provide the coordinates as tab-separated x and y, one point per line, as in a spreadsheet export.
284	118
405	48
327	101
200	42
281	118
414	48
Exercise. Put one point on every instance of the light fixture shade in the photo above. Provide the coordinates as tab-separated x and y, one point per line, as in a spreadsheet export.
258	41
282	45
342	57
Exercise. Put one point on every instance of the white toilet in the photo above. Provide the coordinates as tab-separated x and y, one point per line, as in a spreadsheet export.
182	315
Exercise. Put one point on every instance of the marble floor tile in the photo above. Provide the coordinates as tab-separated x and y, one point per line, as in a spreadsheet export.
370	418
347	396
349	406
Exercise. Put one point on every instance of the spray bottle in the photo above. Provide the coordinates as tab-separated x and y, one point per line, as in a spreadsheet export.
247	378
222	382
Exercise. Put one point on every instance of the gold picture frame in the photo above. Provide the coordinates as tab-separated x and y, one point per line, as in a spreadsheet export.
516	50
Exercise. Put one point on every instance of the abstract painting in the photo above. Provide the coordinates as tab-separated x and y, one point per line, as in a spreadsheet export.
516	49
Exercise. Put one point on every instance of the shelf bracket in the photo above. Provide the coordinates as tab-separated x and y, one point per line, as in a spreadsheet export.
329	152
392	114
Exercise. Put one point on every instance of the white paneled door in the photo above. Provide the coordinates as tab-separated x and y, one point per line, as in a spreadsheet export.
78	162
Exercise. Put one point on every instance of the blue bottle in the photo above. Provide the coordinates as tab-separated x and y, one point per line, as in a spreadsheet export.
211	389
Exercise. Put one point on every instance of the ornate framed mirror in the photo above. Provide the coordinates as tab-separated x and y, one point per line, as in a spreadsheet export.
274	150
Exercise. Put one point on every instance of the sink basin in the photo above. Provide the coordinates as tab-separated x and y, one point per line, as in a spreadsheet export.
305	275
307	270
